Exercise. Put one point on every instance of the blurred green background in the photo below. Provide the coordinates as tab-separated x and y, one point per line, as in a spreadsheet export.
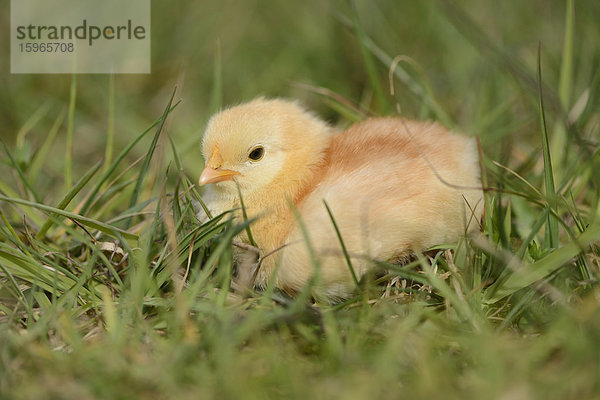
471	64
478	58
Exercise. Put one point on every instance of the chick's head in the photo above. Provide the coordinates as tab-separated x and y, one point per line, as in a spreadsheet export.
259	143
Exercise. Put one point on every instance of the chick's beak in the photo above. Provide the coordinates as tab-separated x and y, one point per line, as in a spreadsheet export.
213	172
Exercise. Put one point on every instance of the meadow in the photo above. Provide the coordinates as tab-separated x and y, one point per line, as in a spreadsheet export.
110	288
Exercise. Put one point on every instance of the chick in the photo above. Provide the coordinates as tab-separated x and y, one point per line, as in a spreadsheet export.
395	187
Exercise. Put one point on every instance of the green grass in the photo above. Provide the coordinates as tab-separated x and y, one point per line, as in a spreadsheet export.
111	288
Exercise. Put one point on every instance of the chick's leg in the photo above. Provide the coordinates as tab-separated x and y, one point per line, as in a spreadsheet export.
247	258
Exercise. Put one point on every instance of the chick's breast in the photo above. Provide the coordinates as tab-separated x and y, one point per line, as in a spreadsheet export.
394	187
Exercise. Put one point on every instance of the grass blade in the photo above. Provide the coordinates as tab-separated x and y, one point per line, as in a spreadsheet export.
115	163
15	286
67	199
418	89
245	216
531	273
551	233
146	163
24	179
70	122
508	61
369	64
40	156
560	144
565	82
344	250
110	134
101	226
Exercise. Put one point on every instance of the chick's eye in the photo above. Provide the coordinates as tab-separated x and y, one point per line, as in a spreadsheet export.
256	153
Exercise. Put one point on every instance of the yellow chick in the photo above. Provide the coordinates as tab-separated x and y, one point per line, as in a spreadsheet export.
395	187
